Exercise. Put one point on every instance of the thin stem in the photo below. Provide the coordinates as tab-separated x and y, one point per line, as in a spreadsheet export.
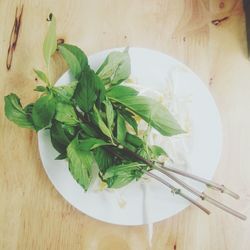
178	191
180	182
203	195
224	207
209	184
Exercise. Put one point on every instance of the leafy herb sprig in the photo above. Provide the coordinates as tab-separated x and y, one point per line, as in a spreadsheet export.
88	120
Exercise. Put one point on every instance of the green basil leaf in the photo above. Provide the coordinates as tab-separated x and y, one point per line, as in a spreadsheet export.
121	91
128	116
50	42
98	120
80	164
134	140
158	151
89	131
41	75
61	156
15	113
121	128
120	175
91	143
61	135
43	111
103	159
144	153
65	93
120	181
152	112
65	113
116	67
122	169
129	146
85	93
28	109
75	58
138	174
109	113
100	90
40	88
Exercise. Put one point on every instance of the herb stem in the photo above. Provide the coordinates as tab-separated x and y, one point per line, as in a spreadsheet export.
209	184
202	195
178	191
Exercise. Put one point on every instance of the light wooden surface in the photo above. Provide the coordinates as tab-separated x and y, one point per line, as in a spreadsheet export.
32	214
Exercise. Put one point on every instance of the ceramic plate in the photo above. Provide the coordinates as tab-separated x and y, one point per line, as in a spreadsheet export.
147	201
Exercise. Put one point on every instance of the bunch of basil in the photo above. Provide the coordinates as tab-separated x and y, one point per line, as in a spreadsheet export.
88	118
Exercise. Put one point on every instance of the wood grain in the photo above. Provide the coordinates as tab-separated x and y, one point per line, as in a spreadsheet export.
207	35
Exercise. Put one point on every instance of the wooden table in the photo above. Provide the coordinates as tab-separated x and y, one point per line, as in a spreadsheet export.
208	36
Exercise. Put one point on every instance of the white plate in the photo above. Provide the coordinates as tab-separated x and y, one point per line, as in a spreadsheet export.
147	201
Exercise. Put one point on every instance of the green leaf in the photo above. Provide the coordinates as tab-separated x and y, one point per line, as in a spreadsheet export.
120	175
98	119
50	42
100	90
91	143
109	113
61	156
61	135
122	169
43	111
152	112
40	88
116	67
65	113
75	58
120	181
158	151
89	131
144	153
121	91
134	140
15	113
41	75
28	109
65	93
103	158
80	163
85	93
129	146
121	128
128	116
